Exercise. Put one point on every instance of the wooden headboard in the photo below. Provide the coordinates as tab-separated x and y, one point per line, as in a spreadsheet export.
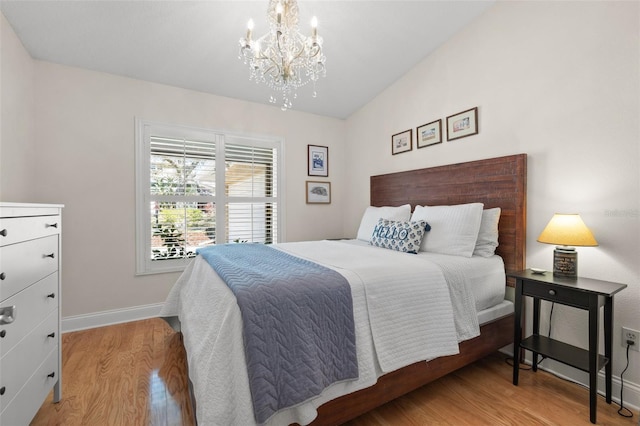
496	182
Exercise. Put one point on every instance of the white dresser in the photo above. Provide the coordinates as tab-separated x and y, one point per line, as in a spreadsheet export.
30	350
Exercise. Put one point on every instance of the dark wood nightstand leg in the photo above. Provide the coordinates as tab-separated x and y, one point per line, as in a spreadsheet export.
517	331
608	341
594	312
536	330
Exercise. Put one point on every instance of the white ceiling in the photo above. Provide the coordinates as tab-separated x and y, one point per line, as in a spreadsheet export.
194	44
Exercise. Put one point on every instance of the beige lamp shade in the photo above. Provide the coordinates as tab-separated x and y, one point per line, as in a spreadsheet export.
567	230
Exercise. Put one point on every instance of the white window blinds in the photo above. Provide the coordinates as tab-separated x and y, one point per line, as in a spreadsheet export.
251	192
196	188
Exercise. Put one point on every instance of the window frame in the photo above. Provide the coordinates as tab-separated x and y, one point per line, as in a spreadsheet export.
144	129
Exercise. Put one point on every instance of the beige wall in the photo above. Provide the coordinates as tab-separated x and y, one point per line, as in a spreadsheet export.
558	81
17	135
85	132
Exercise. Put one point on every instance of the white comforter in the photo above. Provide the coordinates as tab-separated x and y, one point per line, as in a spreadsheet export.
404	311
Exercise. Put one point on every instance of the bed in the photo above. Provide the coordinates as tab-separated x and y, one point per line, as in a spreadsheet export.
215	354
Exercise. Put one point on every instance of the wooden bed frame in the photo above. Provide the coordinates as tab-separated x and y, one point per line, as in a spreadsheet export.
496	182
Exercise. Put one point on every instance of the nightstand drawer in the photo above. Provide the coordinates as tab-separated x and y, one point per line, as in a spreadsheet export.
554	293
17	229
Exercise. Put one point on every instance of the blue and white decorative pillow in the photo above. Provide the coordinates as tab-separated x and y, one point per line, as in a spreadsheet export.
399	235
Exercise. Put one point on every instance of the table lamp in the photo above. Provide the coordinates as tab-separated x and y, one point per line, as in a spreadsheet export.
566	230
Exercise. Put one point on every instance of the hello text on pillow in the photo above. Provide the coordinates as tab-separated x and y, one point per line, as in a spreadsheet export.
399	235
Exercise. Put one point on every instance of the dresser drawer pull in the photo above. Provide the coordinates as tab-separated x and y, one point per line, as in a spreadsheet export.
52	335
3	276
3	333
50	225
52	255
52	374
3	232
8	314
51	295
2	390
552	292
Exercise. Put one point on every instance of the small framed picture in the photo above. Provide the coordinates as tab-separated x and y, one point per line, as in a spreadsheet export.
318	192
401	142
429	134
318	160
462	124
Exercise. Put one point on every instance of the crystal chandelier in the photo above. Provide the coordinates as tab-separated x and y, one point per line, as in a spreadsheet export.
283	58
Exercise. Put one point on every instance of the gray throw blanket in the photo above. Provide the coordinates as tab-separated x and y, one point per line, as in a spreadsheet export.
299	334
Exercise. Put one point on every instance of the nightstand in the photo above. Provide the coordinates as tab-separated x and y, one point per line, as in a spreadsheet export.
581	293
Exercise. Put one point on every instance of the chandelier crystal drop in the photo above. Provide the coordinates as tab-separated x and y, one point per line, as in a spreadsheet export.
283	58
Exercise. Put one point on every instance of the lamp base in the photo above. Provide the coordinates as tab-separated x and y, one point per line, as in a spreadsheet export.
565	262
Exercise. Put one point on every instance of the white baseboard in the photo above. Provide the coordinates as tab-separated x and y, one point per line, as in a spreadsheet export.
116	316
631	391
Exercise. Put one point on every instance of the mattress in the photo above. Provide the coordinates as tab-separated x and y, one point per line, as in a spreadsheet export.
485	276
495	312
212	325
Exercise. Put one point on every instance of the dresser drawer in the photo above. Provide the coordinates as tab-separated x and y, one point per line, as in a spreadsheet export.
23	264
32	306
17	229
554	293
25	405
25	358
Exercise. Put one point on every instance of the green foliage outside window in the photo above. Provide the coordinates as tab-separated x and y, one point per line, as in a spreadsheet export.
172	240
179	225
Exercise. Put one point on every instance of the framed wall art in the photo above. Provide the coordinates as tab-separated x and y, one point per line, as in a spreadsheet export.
318	192
402	142
429	134
462	124
318	160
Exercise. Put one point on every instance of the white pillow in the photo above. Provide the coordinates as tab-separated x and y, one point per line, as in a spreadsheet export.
454	229
488	233
373	214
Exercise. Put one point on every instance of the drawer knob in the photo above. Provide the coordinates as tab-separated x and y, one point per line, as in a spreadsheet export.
51	225
3	232
51	295
52	255
552	292
52	335
2	390
3	276
8	314
3	333
52	374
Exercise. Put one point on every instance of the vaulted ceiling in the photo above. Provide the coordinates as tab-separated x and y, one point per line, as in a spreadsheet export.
194	44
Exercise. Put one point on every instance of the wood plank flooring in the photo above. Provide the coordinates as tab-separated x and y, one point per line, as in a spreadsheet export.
135	374
125	374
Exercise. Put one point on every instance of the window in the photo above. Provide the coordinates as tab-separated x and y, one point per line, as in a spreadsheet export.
198	187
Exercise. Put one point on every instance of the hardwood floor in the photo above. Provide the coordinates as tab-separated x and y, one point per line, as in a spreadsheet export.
125	374
483	394
135	374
